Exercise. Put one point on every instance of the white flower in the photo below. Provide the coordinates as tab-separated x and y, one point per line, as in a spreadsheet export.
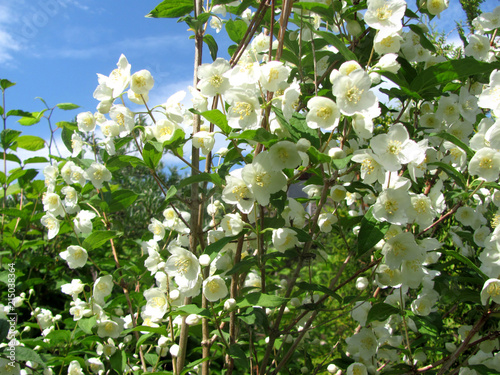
387	41
214	288
478	47
119	78
261	179
97	174
284	239
156	303
490	97
282	155
216	23
157	228
399	248
110	128
76	144
73	289
325	222
52	204
362	344
51	223
85	121
422	211
485	164
141	82
392	205
76	256
102	288
353	93
124	117
238	192
163	130
385	14
396	148
96	365
83	222
244	110
74	368
108	328
491	289
435	7
212	79
371	168
274	75
232	224
182	264
204	140
323	113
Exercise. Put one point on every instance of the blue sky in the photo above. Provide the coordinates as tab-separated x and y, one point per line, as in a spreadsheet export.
54	48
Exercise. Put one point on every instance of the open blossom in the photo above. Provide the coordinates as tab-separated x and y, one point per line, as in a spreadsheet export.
284	239
491	290
97	174
282	155
214	288
85	121
76	256
156	303
353	93
182	264
238	192
73	289
396	148
204	140
244	110
385	14
485	164
490	97
119	78
262	180
83	221
392	205
212	78
124	117
108	328
156	227
323	113
274	75
51	223
141	82
102	288
52	203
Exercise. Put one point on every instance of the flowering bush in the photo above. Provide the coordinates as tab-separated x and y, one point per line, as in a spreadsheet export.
328	231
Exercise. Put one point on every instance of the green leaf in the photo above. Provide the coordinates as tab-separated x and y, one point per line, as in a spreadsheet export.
172	190
98	238
317	157
33	119
337	43
19	113
36	159
426	43
260	299
143	338
4	329
381	311
319	288
236	30
201	177
456	175
370	232
218	118
119	161
297	127
8	136
466	261
341	163
26	354
212	45
1	110
448	71
217	246
30	142
67	106
259	135
5	84
87	324
121	199
193	309
151	155
172	9
66	135
118	361
451	138
240	358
